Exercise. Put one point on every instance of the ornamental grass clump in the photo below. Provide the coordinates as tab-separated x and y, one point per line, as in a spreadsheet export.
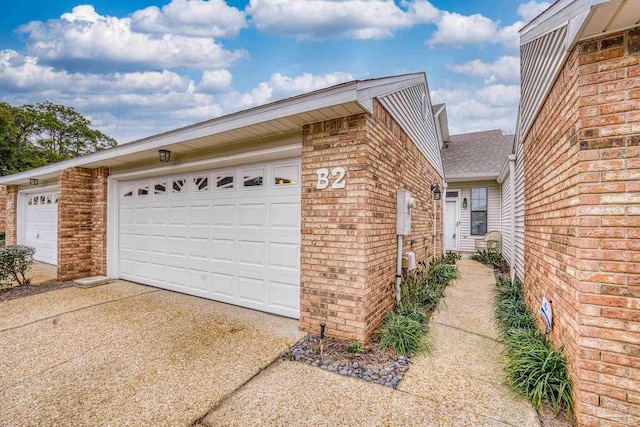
491	258
534	366
405	328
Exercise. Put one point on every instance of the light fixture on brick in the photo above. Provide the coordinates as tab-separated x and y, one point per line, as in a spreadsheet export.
165	156
435	189
33	181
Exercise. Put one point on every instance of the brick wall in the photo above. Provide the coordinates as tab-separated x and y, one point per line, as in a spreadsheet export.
11	219
582	223
99	222
82	211
3	207
348	247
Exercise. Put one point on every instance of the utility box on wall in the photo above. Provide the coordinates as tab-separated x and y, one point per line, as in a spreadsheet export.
403	213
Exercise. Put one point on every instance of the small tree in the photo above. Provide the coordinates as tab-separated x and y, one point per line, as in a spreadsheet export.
15	261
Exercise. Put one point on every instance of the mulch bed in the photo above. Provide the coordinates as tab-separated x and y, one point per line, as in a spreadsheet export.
13	292
380	366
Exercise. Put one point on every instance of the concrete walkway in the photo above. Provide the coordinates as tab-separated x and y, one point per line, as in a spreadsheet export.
461	383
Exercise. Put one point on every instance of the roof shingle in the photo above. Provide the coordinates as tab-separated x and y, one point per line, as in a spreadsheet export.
476	153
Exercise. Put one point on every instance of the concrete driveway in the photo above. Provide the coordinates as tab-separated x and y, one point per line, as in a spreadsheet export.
127	354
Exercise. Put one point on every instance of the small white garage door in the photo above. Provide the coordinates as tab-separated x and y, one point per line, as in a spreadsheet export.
231	235
41	226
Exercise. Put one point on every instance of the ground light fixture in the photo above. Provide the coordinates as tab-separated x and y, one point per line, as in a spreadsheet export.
435	189
33	181
165	156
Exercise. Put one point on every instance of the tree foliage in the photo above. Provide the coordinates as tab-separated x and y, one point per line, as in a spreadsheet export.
36	135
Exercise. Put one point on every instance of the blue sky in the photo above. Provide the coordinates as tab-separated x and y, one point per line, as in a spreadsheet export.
141	67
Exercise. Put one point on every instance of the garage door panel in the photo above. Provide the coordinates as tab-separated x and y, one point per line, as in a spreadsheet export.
238	245
41	225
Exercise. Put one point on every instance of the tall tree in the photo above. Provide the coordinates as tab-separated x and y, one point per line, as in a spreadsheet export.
35	135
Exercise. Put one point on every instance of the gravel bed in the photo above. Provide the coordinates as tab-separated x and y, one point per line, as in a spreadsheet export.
388	372
9	291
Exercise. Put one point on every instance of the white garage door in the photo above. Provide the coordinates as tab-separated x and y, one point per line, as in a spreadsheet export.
41	226
231	235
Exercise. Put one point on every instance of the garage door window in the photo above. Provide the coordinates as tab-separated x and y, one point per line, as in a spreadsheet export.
179	186
224	181
127	190
160	188
285	175
201	184
143	189
253	178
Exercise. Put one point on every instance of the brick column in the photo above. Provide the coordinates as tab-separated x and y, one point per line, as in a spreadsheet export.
11	217
99	222
75	227
333	246
3	207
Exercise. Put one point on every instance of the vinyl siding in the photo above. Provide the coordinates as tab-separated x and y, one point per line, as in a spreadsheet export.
467	241
519	211
541	60
505	219
406	107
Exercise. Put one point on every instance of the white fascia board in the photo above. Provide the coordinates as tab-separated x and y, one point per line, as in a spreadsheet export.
504	172
558	15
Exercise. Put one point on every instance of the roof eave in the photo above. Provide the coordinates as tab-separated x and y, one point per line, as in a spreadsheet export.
472	177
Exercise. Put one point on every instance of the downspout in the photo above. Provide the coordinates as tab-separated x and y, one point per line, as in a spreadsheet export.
399	269
444	197
512	190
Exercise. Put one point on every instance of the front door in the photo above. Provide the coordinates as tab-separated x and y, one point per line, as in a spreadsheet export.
451	225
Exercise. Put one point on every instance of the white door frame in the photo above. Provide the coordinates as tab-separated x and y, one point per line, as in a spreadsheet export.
114	182
21	209
457	202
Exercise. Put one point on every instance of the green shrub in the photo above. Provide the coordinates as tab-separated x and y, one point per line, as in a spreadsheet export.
450	258
534	367
537	369
2	239
412	312
491	258
15	261
355	348
511	309
404	334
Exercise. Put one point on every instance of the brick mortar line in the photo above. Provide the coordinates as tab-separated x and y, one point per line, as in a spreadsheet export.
76	310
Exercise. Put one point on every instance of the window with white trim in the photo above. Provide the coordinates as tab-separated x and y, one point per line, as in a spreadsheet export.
479	211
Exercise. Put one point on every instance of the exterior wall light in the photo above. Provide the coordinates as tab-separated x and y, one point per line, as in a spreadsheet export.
33	181
464	203
435	188
165	156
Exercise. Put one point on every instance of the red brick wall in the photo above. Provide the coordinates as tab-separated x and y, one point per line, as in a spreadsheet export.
82	210
582	224
349	235
395	162
11	219
3	207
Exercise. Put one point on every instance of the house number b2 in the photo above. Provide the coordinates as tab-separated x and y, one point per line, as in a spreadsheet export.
324	178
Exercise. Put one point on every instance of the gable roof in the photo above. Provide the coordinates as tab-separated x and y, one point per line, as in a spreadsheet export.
279	118
476	155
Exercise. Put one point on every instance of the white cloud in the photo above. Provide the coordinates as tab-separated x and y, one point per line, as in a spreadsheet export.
84	39
471	108
215	81
456	30
531	9
280	86
504	69
213	18
330	19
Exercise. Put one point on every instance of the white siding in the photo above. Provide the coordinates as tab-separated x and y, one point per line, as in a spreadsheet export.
506	218
540	63
467	241
519	211
411	108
